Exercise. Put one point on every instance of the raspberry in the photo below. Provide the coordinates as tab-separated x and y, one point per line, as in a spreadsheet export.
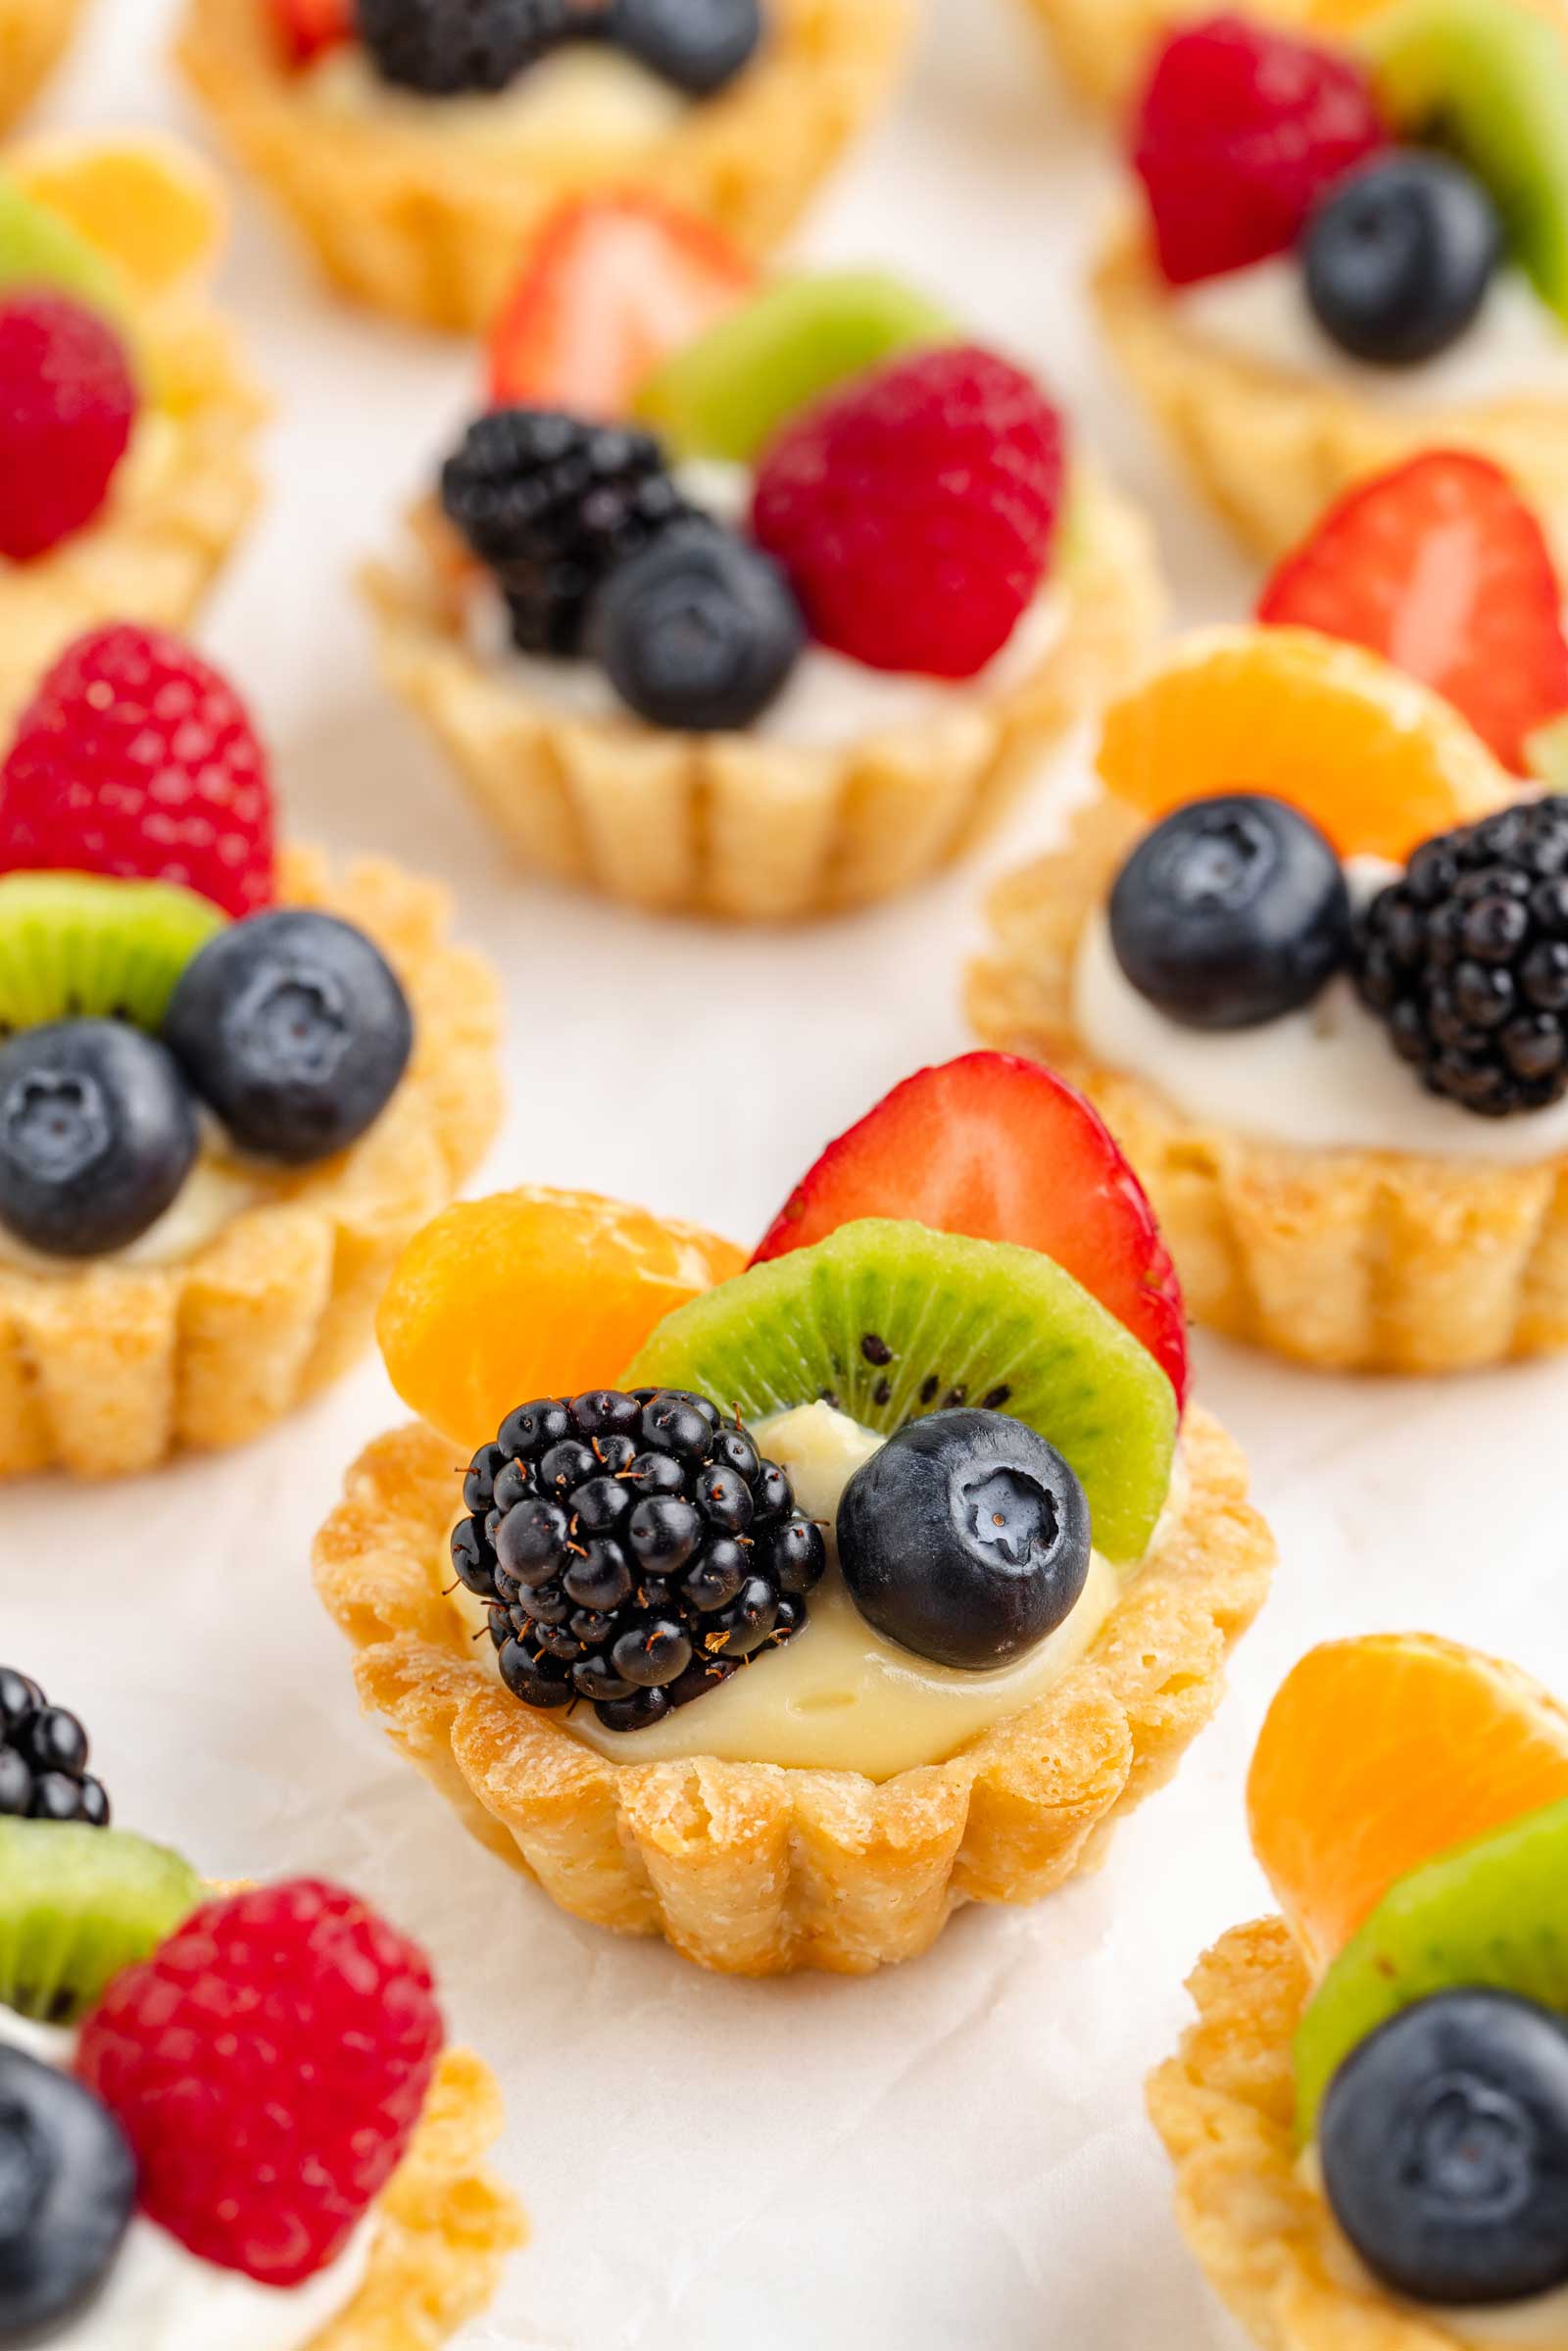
268	2065
68	402
915	513
135	758
1241	131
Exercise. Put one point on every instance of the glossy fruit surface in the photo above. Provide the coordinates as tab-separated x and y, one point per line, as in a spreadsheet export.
699	45
97	1136
311	28
700	632
68	2190
67	404
1398	259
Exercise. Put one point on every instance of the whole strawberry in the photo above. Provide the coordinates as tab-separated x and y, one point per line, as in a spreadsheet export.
68	403
916	511
268	2065
136	758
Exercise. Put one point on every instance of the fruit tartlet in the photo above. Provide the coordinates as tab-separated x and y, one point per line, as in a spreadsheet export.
420	145
232	1080
126	434
1308	949
1369	2122
225	2118
753	600
1346	253
34	35
886	1578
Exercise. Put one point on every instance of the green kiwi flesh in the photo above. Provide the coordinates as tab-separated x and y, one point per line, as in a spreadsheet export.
892	1321
80	944
41	248
76	1906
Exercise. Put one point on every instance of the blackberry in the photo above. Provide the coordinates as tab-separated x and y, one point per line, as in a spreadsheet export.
1465	960
553	504
443	48
43	1758
633	1551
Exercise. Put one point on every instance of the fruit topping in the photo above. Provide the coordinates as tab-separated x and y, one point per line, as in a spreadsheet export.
295	1030
699	45
532	1292
699	631
68	404
313	2031
614	284
142	198
727	392
1398	259
892	1322
632	1550
311	28
1240	130
1442	569
965	1539
1379	1754
134	758
73	944
1444	2150
1375	760
68	2190
999	1149
76	1906
444	50
43	1763
1465	960
97	1136
1231	913
915	510
40	249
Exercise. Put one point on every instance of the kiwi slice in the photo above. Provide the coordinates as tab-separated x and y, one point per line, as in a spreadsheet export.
77	944
76	1906
1489	79
890	1321
726	394
41	248
1490	1913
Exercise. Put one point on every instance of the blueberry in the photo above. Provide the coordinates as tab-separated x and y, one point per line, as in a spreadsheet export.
965	1539
67	2187
699	45
699	632
97	1135
294	1028
1444	2146
1398	258
1231	913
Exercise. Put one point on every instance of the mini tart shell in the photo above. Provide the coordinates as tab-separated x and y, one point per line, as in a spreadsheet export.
433	230
1347	1260
34	35
110	1370
738	827
750	1869
1225	2108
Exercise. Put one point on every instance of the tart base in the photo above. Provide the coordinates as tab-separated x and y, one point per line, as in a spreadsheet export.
111	1369
739	827
34	35
430	230
750	1869
1345	1260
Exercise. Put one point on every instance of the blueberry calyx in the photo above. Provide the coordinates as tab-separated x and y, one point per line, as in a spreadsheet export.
97	1136
700	631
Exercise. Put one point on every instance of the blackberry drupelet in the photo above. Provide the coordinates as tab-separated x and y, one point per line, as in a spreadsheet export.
43	1758
443	48
633	1549
1466	960
552	503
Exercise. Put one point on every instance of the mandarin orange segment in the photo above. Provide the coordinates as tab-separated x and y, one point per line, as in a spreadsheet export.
1381	1754
147	200
1373	757
533	1293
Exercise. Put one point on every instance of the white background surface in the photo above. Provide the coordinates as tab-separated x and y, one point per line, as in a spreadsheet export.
953	2155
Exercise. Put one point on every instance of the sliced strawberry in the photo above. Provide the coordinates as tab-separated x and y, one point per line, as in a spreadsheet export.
613	286
1441	567
1002	1149
309	28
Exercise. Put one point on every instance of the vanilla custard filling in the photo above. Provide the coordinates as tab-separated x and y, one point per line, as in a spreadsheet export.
583	98
212	1194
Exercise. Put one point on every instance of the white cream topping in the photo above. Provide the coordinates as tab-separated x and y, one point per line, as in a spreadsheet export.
214	1194
584	97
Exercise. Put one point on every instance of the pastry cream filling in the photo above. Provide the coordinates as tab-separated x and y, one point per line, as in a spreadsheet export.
582	99
214	1194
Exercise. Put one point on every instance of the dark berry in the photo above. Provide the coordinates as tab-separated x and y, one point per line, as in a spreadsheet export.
97	1136
16	1783
699	45
43	1760
533	1428
795	1557
602	1579
665	1533
1398	258
479	1486
596	1679
741	1629
652	1654
54	1741
68	2189
606	1412
734	1449
292	1027
600	1504
536	1680
654	1474
443	48
639	1712
567	1466
724	1499
715	1578
531	1540
677	1423
20	1696
700	632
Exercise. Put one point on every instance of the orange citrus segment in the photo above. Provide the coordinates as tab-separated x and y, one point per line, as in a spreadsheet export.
147	201
531	1294
1373	757
1378	1755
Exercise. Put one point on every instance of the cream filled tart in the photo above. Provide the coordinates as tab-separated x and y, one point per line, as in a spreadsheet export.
34	35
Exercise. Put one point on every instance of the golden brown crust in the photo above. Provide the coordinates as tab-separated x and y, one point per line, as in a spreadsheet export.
1347	1260
110	1370
422	226
34	35
746	829
756	1871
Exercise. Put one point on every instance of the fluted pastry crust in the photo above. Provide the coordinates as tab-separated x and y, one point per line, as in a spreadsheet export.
751	1869
34	35
423	226
110	1370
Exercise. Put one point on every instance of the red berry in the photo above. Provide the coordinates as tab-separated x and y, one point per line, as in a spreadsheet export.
136	758
1240	130
68	402
916	511
268	2065
309	28
1441	567
999	1149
